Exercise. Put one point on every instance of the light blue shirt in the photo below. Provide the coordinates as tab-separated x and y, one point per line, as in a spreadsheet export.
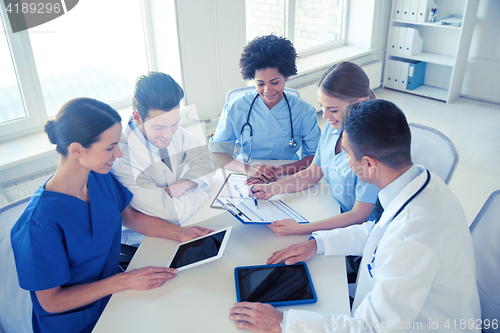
271	129
345	186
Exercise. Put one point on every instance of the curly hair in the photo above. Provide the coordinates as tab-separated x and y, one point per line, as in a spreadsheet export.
268	51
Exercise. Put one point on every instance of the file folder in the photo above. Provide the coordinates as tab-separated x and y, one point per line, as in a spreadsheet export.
413	42
424	6
393	41
405	16
413	10
416	74
401	41
398	9
388	78
396	73
403	74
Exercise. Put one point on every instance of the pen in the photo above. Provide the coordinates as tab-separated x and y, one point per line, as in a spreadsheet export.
254	198
237	189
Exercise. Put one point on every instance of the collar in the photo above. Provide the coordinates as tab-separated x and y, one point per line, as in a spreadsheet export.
133	126
388	193
336	131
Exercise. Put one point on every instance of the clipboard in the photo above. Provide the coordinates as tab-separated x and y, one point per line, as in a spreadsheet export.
228	190
245	211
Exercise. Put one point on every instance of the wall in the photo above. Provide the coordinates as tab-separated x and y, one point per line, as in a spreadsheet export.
482	79
212	35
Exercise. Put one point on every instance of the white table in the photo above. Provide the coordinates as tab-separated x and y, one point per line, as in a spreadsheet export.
199	299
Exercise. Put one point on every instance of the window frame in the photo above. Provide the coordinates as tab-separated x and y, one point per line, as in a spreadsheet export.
29	84
290	30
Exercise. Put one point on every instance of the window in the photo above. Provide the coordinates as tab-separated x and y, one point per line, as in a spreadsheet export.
11	103
83	53
312	25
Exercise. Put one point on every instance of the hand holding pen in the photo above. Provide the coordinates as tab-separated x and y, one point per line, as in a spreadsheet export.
262	191
254	198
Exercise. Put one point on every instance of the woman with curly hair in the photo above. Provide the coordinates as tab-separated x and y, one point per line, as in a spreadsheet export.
342	85
267	123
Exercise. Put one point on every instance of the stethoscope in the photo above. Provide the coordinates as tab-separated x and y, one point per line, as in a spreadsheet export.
291	144
370	267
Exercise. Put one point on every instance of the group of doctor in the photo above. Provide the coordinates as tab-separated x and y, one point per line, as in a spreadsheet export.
66	244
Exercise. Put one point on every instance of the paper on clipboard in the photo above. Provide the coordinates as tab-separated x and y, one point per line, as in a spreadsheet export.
268	211
233	187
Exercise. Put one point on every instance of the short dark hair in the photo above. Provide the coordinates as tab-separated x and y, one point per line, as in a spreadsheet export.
156	91
378	129
268	51
80	120
347	82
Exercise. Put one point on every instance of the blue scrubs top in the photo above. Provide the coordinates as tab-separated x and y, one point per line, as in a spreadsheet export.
271	128
61	240
345	186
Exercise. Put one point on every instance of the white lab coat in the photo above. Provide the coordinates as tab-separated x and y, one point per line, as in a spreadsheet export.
423	272
142	171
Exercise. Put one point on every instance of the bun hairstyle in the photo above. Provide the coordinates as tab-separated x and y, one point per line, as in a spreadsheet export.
80	120
347	82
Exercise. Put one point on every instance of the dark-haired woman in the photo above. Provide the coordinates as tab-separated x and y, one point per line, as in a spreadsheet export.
341	85
67	242
269	61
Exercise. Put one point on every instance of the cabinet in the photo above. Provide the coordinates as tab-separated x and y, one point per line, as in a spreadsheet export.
443	48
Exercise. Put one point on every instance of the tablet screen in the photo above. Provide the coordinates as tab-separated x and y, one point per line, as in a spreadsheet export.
198	250
275	284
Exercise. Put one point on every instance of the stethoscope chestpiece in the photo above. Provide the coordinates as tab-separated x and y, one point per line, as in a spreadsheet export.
292	143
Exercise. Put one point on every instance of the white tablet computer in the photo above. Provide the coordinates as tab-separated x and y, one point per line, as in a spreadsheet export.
200	250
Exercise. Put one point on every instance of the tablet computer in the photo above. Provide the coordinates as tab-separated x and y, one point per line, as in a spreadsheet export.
277	285
200	250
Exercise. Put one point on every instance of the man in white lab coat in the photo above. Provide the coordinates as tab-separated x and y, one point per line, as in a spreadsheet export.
417	272
167	168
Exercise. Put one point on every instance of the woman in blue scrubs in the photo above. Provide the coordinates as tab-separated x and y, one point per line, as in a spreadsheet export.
67	242
341	85
269	114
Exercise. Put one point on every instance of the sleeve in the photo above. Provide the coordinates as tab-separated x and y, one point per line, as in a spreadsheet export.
366	192
153	200
40	256
123	195
198	158
317	156
311	132
345	241
402	285
224	139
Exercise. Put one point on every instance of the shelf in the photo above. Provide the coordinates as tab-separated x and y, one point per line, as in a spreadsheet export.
433	58
428	24
444	48
426	91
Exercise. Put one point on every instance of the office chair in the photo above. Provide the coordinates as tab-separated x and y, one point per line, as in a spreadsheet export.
485	230
433	150
233	93
15	303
